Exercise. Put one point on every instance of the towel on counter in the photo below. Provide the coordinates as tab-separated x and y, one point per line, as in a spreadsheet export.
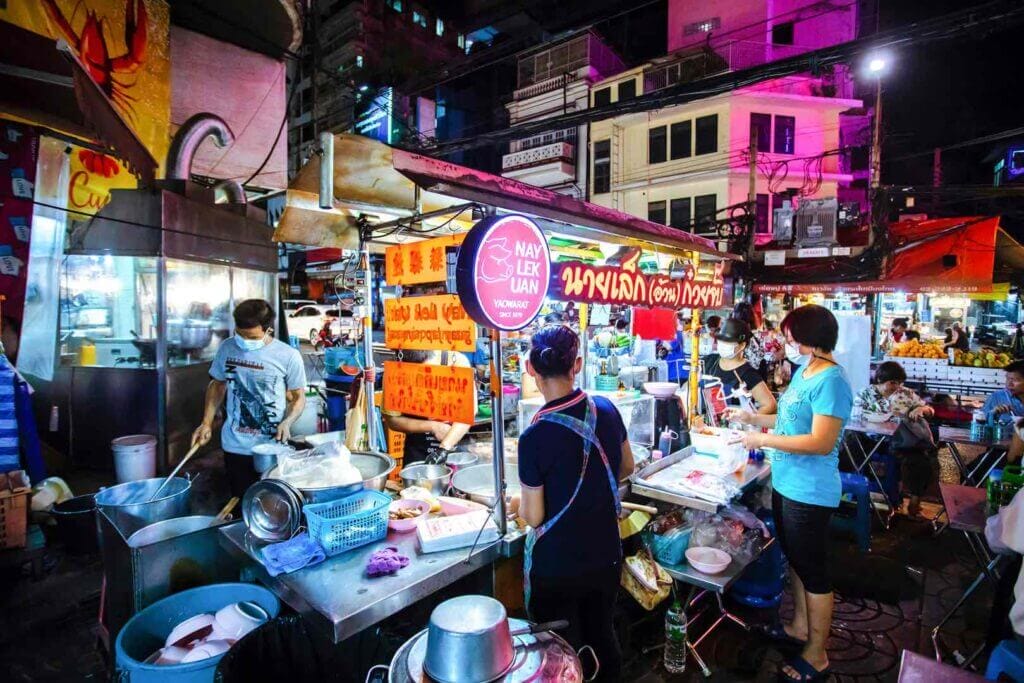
292	555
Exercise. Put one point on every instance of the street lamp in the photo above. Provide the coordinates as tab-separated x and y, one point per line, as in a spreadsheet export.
876	67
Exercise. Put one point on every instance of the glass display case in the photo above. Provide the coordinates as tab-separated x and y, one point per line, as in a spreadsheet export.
637	410
109	309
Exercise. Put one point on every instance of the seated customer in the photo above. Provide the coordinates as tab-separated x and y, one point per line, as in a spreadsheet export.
1006	404
889	395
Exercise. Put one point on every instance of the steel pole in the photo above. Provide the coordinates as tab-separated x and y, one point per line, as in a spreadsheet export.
498	427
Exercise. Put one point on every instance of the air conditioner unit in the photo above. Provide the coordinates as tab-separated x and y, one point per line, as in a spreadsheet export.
815	222
782	222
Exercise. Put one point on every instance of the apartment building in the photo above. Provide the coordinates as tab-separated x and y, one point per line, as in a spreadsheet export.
689	164
554	80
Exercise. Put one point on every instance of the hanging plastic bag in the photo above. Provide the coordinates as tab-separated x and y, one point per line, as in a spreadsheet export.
355	424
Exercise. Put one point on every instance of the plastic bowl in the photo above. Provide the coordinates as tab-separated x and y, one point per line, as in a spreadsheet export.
708	560
404	525
661	390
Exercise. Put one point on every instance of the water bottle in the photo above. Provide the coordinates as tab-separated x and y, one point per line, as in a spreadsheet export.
675	639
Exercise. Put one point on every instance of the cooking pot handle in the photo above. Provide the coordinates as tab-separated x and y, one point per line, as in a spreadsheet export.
597	662
385	667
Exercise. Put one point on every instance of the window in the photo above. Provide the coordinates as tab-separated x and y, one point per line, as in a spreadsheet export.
419	18
782	34
761	127
439	27
707	134
702	26
656	212
602	166
679	213
682	146
762	215
627	90
656	145
359	61
461	41
785	135
704	210
394	4
603	96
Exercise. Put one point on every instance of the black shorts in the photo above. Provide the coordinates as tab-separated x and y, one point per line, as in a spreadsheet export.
802	532
241	473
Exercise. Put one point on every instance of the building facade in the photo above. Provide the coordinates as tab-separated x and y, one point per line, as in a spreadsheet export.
552	81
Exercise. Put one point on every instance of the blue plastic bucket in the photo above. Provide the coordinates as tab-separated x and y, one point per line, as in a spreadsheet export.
146	632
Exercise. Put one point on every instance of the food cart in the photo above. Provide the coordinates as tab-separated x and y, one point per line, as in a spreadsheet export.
463	249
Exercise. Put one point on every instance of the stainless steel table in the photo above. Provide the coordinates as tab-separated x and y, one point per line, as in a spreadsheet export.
754	473
338	596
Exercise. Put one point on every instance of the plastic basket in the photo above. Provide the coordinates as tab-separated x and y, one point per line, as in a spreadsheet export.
606	383
349	522
669	550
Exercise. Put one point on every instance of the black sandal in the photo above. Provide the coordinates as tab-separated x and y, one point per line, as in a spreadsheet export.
776	632
807	673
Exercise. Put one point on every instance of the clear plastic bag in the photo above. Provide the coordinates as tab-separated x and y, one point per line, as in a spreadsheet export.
328	464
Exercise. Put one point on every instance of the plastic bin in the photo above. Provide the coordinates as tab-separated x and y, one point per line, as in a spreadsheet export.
349	522
146	631
283	649
668	550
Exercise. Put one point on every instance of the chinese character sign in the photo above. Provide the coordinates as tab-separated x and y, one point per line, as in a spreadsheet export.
436	392
428	323
420	262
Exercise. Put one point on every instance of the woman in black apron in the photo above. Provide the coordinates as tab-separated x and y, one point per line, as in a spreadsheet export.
571	458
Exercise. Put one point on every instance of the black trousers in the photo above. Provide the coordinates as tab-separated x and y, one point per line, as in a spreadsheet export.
802	532
241	472
587	602
915	469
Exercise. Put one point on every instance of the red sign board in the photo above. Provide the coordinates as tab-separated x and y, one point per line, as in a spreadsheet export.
503	272
584	283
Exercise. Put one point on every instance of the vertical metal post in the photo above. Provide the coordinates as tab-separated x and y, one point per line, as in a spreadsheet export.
162	359
694	383
369	376
876	139
498	427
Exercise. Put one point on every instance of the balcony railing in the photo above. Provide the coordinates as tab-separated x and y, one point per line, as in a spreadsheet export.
564	135
731	56
559	151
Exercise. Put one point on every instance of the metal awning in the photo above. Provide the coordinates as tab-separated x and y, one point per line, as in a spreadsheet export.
380	184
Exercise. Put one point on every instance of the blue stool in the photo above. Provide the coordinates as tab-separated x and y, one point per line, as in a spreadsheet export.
857	490
1007	658
887	467
763	581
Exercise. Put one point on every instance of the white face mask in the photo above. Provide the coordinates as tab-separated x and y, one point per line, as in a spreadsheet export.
251	344
794	356
727	349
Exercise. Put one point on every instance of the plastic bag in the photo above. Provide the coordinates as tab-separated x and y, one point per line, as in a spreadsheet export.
326	465
355	424
734	530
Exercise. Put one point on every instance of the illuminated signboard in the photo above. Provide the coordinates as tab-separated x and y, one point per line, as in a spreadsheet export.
585	283
374	121
436	392
428	323
503	272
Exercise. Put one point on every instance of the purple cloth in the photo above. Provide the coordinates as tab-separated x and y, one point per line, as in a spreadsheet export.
386	561
292	555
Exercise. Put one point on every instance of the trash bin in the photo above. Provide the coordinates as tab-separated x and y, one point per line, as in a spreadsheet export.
282	649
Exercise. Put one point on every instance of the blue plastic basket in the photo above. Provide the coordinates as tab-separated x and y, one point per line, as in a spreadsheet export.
349	522
669	550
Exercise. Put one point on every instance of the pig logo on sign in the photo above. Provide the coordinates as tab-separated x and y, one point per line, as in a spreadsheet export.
494	265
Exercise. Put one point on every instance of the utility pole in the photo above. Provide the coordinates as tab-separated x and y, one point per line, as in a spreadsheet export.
752	189
876	140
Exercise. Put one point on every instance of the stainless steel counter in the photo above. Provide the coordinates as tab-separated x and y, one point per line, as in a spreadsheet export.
338	596
753	473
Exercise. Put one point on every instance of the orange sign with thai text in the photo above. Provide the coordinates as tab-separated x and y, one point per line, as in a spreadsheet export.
436	392
417	263
428	323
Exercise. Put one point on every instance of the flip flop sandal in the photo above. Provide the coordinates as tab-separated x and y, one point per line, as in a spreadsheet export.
807	673
777	633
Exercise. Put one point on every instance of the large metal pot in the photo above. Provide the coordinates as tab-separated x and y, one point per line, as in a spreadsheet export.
434	478
169	528
468	640
129	508
477	482
196	334
375	468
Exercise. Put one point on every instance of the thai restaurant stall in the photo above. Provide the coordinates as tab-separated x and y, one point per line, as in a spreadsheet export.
935	273
471	264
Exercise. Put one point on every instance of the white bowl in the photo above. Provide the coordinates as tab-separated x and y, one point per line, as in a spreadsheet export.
189	626
708	560
661	390
207	649
238	618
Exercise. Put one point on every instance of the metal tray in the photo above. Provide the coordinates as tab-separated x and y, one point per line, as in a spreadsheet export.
641	487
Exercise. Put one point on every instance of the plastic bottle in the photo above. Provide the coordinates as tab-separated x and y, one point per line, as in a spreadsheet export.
993	491
665	442
675	639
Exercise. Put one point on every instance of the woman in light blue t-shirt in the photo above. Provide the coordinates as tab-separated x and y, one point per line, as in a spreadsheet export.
804	452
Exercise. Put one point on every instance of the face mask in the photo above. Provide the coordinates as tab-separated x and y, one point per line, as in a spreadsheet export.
251	344
795	357
727	349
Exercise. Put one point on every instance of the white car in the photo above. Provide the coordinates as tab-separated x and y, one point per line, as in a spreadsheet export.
307	321
292	305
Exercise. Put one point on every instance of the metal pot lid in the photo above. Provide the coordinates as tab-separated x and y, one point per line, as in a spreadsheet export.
540	658
272	510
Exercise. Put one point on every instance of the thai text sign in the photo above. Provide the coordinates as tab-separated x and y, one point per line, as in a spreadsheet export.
417	263
436	392
584	283
428	323
504	272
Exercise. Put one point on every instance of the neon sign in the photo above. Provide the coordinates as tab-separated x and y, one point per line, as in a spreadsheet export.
584	283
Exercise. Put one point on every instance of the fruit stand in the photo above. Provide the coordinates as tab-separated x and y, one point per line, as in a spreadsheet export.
968	373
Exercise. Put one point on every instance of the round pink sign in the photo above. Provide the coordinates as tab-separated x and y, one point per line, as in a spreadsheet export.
503	272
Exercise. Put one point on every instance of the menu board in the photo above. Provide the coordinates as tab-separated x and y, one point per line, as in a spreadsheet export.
436	392
419	262
428	323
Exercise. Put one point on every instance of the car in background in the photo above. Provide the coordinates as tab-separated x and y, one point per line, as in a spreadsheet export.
305	322
292	305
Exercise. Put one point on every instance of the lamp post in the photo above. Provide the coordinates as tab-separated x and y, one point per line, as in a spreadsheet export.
876	67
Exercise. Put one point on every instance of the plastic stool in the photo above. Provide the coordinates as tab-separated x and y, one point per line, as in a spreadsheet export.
887	467
1007	658
859	524
763	581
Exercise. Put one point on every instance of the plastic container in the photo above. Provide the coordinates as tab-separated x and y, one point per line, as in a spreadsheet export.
134	457
145	633
349	522
670	549
76	524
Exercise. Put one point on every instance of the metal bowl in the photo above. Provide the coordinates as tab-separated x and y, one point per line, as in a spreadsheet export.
434	478
477	482
375	468
468	640
272	510
461	459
